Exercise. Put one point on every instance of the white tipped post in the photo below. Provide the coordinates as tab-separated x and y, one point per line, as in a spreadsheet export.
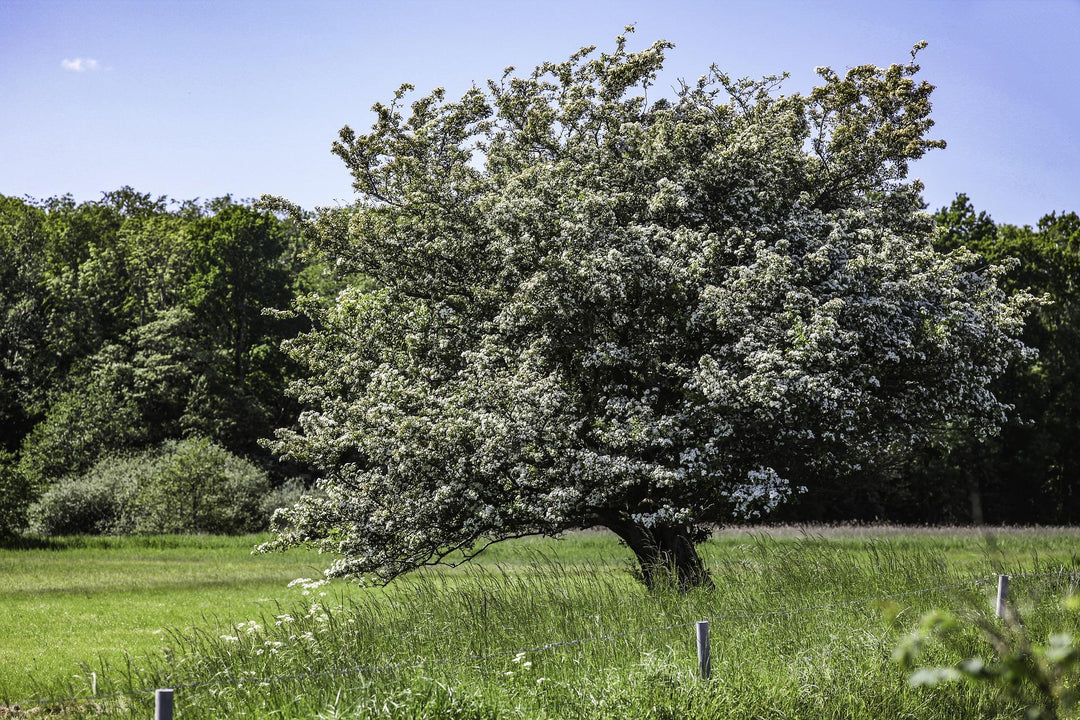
1003	595
163	705
704	662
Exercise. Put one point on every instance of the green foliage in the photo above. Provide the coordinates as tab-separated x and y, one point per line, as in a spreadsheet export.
1031	472
187	486
15	497
282	496
133	320
200	487
1043	678
97	502
22	321
80	426
591	309
152	384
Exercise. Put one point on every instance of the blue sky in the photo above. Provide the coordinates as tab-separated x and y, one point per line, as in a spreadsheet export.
197	99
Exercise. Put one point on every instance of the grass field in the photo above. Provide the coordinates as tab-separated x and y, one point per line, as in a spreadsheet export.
81	599
204	616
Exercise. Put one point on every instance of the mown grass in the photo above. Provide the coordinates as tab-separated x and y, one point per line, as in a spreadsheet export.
71	601
796	630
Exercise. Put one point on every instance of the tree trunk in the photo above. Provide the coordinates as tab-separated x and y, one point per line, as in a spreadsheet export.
666	555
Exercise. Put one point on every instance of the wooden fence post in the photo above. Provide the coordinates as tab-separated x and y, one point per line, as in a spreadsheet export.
1003	594
163	705
704	662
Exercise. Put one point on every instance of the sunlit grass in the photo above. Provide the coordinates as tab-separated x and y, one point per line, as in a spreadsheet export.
446	643
80	599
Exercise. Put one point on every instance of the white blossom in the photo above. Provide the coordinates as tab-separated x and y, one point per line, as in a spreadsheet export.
592	310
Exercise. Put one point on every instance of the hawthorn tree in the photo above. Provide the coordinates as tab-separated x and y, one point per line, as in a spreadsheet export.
589	309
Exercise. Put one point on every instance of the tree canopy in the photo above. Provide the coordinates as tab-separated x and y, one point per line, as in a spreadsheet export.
134	320
593	309
1031	471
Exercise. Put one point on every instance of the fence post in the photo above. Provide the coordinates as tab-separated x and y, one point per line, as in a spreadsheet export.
1003	595
163	705
704	662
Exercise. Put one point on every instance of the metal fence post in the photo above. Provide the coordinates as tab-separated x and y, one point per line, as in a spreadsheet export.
703	660
1003	594
163	705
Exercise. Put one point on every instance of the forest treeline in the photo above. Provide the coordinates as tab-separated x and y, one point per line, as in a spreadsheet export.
141	363
1030	473
135	332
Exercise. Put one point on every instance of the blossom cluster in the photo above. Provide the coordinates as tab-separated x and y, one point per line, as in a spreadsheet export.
589	310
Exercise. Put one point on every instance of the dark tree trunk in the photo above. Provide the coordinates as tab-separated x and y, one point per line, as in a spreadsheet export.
667	555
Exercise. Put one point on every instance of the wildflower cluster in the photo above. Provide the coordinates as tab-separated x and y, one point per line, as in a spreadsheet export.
307	585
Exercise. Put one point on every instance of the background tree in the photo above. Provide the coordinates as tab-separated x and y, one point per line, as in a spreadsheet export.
134	320
1031	472
21	317
591	310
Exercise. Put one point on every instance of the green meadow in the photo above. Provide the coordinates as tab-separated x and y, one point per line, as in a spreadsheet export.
804	623
79	600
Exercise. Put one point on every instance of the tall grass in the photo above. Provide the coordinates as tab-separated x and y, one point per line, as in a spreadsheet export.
801	628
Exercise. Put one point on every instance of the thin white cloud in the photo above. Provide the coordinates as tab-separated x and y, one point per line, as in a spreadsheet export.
80	65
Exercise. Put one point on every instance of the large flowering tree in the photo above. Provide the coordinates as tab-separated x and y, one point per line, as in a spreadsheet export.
590	309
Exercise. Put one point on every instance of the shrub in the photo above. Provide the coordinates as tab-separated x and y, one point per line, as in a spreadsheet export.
1040	677
180	486
95	502
200	486
283	496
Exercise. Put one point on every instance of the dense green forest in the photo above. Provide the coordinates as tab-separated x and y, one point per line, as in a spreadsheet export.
1030	473
141	364
1032	470
137	332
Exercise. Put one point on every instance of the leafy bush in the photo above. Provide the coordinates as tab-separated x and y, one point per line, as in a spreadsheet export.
200	487
14	497
180	486
94	503
1039	677
283	496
